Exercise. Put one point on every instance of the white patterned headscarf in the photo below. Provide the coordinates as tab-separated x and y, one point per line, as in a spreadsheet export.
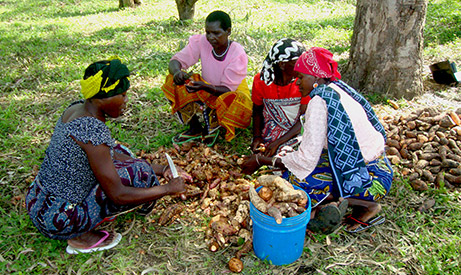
285	49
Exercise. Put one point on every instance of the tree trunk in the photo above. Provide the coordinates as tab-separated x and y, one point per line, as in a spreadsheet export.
186	9
386	47
128	3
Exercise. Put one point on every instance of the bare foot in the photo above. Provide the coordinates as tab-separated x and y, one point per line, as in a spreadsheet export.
88	239
368	211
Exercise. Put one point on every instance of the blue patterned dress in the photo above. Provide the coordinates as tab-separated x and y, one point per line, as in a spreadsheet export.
65	200
341	170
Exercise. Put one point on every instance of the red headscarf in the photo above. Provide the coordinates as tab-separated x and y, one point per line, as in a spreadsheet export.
319	63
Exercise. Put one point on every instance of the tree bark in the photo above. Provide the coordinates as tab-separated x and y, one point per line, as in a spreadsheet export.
386	47
186	9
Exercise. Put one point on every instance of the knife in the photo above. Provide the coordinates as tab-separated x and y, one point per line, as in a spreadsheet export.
174	172
173	169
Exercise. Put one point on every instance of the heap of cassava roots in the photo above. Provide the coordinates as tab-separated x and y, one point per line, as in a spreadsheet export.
424	146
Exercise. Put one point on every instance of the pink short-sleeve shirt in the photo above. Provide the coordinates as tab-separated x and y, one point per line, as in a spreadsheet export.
229	72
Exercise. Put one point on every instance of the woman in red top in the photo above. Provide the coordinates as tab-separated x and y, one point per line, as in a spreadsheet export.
277	103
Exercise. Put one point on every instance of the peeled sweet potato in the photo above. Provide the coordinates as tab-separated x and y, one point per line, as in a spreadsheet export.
265	193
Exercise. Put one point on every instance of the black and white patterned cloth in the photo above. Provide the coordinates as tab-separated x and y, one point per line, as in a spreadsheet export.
283	50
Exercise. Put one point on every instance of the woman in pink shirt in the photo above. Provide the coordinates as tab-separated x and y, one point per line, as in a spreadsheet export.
220	95
341	159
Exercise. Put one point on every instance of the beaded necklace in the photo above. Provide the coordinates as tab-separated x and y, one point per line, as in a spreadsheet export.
224	53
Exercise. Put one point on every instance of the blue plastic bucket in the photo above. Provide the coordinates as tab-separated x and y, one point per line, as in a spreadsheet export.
279	243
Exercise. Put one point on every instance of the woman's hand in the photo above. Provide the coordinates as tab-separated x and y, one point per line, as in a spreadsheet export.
180	77
251	164
256	144
182	174
176	186
195	86
271	149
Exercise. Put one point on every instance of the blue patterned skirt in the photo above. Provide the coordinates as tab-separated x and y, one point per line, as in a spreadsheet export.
320	183
59	219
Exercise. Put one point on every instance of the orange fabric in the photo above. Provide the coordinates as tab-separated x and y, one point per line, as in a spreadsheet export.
233	109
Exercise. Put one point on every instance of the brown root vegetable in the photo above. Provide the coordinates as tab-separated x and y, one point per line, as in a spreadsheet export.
422	138
284	207
292	213
284	191
168	216
275	213
435	169
428	176
421	164
411	134
267	180
235	265
282	184
453	179
435	162
256	200
418	185
455	171
443	151
394	159
411	125
404	153
392	151
220	239
415	146
429	156
265	193
215	183
393	143
440	179
297	208
449	163
454	157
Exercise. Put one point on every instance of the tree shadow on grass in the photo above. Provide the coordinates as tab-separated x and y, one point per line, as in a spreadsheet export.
52	10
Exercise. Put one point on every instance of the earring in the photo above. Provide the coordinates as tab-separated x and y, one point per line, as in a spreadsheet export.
315	85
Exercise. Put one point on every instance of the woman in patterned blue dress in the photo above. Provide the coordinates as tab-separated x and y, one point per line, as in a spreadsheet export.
85	176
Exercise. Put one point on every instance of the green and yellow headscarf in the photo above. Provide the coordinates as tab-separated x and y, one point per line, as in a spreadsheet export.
105	79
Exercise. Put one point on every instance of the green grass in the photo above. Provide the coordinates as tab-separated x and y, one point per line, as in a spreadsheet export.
46	45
